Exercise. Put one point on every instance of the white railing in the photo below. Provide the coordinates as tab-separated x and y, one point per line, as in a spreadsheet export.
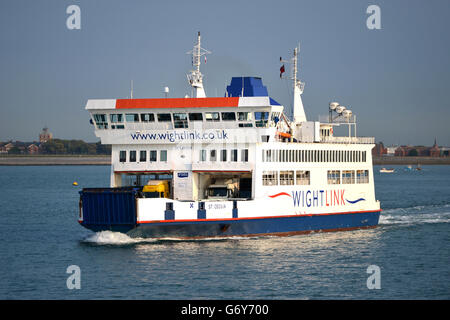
325	119
363	140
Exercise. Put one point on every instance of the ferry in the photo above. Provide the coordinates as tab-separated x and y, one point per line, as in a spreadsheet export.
235	165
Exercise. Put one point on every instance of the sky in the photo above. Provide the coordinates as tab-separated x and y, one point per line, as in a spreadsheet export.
394	79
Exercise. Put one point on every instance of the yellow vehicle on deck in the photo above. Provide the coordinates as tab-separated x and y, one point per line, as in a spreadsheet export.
156	189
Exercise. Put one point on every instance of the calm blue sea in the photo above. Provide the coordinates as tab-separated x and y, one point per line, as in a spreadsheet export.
40	237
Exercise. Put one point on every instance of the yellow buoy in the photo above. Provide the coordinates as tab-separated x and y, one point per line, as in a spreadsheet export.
75	183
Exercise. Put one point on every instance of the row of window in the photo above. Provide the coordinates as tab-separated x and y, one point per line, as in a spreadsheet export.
152	156
286	178
347	177
182	119
233	155
313	156
303	177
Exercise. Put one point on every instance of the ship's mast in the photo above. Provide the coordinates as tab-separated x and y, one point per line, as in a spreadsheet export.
298	112
195	77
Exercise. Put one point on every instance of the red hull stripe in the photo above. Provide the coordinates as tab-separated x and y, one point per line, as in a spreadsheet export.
257	218
176	103
280	194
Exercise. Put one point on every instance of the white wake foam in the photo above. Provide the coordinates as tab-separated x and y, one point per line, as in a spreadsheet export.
112	238
118	238
416	215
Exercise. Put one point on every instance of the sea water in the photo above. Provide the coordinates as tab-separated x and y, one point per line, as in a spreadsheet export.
41	238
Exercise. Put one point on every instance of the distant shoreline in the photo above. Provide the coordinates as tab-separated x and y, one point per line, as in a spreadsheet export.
56	160
105	160
392	160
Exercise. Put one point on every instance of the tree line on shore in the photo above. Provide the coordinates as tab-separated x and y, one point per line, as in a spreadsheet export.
61	147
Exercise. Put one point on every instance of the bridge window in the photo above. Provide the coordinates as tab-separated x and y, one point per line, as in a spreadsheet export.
100	121
244	116
180	120
147	117
212	116
275	116
270	178
228	116
195	116
116	117
261	119
164	117
132	117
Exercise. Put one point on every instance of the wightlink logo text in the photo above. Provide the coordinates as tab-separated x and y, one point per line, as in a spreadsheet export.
318	198
176	136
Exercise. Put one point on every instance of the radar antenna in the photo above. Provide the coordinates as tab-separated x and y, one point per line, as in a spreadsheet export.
298	111
195	77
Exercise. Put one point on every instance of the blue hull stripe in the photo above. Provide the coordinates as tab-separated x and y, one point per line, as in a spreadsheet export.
247	226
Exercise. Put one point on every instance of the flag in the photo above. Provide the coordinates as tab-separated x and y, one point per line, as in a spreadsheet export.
281	70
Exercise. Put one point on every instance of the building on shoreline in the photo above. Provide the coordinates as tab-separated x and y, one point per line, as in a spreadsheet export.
379	150
19	147
391	150
45	135
419	151
33	149
5	148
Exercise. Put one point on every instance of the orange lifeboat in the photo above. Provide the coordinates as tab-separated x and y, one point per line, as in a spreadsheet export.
283	134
